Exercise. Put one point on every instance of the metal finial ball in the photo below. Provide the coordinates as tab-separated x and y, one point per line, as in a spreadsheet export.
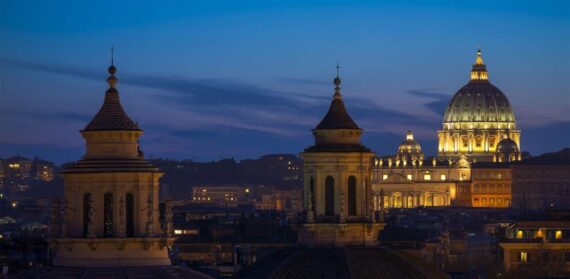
112	70
337	81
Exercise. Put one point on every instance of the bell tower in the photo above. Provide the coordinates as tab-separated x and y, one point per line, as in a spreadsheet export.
110	213
337	188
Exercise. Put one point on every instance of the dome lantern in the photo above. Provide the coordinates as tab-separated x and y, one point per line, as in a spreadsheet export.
479	71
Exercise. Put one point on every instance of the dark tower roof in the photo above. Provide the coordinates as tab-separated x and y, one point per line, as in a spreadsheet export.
111	115
337	117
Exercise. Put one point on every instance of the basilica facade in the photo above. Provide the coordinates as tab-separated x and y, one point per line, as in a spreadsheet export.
478	140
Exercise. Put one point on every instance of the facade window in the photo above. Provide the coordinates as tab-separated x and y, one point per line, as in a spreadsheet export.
409	176
108	215
523	257
384	176
442	177
558	235
567	256
329	196
427	176
352	195
130	200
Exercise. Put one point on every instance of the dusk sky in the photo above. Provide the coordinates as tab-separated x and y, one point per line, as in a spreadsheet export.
213	79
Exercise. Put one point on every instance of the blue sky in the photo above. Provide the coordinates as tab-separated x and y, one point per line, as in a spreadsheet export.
212	79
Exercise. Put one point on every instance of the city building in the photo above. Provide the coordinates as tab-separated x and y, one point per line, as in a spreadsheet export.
337	186
286	200
538	247
17	168
44	170
542	182
223	196
408	180
490	186
477	118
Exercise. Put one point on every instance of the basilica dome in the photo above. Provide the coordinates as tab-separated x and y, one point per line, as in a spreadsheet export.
409	145
478	116
479	100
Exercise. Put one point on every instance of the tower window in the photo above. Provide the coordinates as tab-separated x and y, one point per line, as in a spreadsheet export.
130	200
351	195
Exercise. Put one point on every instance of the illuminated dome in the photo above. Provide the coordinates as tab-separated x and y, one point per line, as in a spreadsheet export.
410	150
409	145
478	116
507	151
479	101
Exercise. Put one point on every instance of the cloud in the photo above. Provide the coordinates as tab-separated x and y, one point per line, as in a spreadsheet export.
439	101
207	118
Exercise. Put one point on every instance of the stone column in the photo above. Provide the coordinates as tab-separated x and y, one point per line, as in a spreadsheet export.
122	231
310	213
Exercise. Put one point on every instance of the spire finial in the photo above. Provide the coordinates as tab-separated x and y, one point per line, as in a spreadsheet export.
337	68
336	82
112	80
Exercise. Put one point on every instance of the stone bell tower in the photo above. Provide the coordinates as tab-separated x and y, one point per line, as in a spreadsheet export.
110	213
337	187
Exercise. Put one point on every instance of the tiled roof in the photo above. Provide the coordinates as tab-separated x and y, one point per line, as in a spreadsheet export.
111	116
337	118
334	262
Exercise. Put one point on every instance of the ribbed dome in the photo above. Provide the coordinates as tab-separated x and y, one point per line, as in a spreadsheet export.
507	146
479	101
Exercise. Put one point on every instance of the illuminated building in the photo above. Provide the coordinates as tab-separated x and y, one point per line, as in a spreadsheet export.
110	214
408	180
490	186
477	118
43	170
218	195
17	168
478	126
405	181
286	200
337	186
